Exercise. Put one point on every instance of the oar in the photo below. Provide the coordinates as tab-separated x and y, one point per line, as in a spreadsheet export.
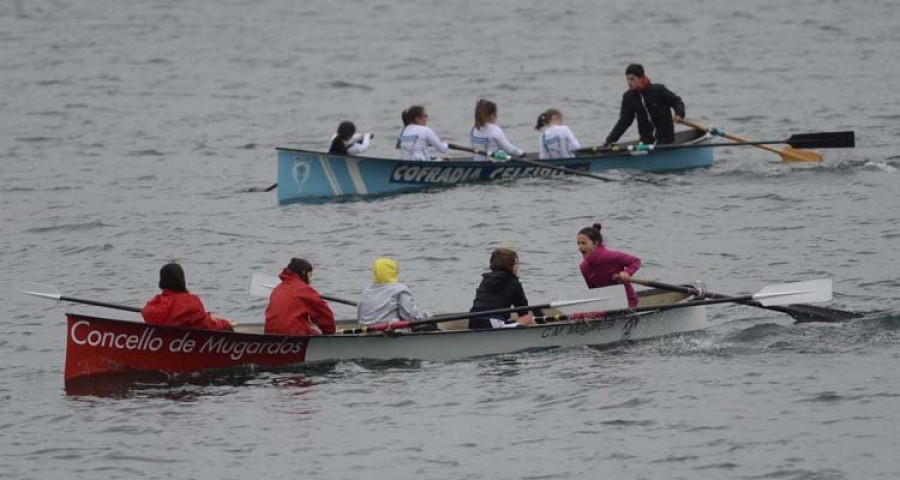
800	313
788	154
503	156
57	297
612	298
804	140
261	285
260	189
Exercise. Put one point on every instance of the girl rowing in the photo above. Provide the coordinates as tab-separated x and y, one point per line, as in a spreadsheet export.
557	140
500	288
176	307
295	307
347	142
387	300
487	136
603	267
416	136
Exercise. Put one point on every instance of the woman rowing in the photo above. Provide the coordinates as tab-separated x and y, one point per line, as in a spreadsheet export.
557	140
603	267
500	288
347	142
415	137
487	136
176	307
295	307
386	299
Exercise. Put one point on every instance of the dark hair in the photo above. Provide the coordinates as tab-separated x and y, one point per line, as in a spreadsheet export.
171	277
483	110
412	113
544	118
635	69
592	232
345	132
300	267
504	259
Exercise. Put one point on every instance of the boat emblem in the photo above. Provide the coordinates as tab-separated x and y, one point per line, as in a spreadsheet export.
300	172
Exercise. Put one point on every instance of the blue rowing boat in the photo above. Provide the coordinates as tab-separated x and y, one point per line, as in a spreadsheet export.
308	176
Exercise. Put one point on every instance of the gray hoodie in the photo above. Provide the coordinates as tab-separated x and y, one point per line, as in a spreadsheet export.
386	302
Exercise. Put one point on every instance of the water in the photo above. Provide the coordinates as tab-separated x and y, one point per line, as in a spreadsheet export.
128	131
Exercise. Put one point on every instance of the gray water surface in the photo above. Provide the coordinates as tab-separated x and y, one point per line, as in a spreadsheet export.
128	131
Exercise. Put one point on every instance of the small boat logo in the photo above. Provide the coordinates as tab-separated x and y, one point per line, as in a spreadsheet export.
300	172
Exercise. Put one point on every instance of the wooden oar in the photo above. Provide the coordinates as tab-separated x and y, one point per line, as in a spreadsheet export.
611	298
261	285
63	298
788	154
800	313
504	157
260	189
806	140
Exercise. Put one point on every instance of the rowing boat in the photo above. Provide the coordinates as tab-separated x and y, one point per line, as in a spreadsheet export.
102	346
310	176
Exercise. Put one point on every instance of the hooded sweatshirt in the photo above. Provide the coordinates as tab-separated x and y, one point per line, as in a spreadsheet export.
498	289
181	309
386	300
294	307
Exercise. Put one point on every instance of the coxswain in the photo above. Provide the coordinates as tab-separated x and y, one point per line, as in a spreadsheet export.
347	142
416	136
387	300
652	104
602	267
487	136
557	140
500	288
176	307
295	307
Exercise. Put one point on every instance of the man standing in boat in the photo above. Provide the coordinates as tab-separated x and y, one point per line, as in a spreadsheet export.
652	104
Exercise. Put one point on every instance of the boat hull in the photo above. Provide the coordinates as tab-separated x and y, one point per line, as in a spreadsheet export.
100	346
315	176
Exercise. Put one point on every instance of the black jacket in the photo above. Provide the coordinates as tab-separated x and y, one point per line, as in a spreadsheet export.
498	289
658	101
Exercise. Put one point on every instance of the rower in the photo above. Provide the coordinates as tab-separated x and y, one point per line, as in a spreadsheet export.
602	267
295	307
486	135
176	307
415	137
652	104
347	142
557	140
387	300
500	288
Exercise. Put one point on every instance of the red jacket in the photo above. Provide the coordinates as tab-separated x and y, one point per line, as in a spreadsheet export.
294	307
599	268
181	309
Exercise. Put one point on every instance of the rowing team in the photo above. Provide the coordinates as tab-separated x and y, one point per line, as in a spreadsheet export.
651	104
296	308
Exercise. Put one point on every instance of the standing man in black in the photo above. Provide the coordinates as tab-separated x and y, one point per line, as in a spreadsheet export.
652	104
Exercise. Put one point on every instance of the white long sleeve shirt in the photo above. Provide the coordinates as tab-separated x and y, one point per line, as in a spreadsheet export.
414	141
358	143
558	141
491	138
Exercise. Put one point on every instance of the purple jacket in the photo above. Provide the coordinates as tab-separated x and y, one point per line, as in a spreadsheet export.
599	267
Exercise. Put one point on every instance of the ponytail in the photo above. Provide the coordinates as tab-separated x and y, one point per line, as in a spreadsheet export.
544	119
593	232
345	133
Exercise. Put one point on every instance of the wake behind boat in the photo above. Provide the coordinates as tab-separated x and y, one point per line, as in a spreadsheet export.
310	176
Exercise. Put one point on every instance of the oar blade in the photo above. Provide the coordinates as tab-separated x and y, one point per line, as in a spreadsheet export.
597	299
811	291
261	285
793	155
31	293
823	140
